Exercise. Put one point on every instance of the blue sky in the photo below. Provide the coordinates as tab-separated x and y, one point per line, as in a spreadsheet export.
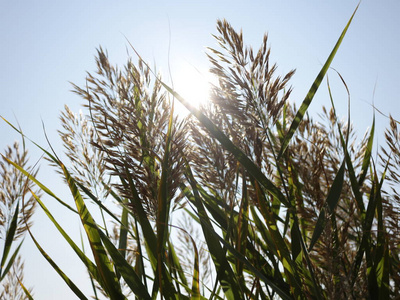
47	44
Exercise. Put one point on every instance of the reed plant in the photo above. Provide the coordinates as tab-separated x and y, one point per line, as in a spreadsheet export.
248	197
16	209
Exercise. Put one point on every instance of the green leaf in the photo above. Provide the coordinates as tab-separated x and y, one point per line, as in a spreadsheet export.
27	293
141	216
38	183
9	238
329	205
381	261
367	155
125	269
103	263
87	262
167	289
282	250
67	280
366	244
355	185
123	233
225	274
311	93
284	294
10	261
176	266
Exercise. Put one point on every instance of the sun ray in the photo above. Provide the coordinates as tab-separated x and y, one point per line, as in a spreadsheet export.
193	85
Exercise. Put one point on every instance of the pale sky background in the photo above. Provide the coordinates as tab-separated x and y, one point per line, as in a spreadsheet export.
47	44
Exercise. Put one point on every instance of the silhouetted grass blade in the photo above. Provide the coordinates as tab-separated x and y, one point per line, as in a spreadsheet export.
311	93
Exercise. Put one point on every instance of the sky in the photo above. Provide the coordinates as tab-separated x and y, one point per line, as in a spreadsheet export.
46	45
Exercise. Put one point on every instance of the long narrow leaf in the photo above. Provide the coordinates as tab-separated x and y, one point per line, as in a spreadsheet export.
311	93
125	269
39	184
329	205
10	261
9	238
26	291
67	280
102	261
224	271
87	262
162	220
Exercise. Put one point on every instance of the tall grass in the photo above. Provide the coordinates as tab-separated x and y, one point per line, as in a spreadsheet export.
16	209
272	204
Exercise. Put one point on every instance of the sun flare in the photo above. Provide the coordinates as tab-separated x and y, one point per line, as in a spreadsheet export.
193	85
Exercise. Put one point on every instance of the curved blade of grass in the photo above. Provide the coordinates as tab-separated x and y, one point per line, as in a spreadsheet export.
176	266
279	243
88	263
139	263
366	237
163	210
67	280
125	269
38	183
150	238
355	184
9	238
104	208
213	205
243	227
282	293
298	245
196	279
103	263
195	291
27	293
123	233
375	253
141	216
208	230
10	262
367	156
329	205
381	265
311	93
225	274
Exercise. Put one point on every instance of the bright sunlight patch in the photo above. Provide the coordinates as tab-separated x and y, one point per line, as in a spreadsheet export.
194	85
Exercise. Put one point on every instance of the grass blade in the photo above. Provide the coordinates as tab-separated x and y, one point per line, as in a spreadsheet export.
311	93
38	183
163	211
225	274
367	156
329	206
9	239
88	263
10	262
125	269
103	263
67	280
27	293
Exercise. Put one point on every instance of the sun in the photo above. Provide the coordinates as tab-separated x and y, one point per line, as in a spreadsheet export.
194	85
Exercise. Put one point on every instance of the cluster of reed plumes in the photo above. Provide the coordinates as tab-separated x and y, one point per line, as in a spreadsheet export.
245	198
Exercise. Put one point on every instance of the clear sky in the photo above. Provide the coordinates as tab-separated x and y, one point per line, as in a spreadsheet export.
47	44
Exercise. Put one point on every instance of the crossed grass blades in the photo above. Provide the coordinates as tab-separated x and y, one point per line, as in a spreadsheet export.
246	198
